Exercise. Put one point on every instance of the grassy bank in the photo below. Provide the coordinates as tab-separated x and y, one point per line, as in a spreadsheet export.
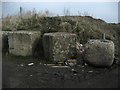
86	27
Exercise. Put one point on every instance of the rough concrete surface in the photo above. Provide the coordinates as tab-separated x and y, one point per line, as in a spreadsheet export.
59	46
23	43
99	52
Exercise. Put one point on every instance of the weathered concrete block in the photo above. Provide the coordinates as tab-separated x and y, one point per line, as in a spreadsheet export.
4	43
99	53
23	43
59	46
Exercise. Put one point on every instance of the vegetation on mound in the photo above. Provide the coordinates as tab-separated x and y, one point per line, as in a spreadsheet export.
86	27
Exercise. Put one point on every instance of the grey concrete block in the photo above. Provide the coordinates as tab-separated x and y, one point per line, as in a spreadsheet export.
99	53
23	43
59	46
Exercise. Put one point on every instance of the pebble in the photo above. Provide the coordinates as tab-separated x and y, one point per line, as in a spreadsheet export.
31	75
30	64
82	70
86	64
90	71
21	65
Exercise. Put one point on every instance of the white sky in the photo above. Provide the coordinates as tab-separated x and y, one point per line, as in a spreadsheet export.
60	0
102	10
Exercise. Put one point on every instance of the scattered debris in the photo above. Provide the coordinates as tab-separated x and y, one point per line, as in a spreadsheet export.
79	65
30	64
90	71
18	65
31	75
60	66
80	47
74	71
82	66
60	63
50	64
21	65
71	62
75	74
86	64
45	64
82	70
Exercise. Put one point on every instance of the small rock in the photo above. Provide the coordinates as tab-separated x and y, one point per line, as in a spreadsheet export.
71	62
74	71
31	75
90	71
82	70
18	65
82	66
21	65
60	63
75	74
60	66
30	64
86	64
50	64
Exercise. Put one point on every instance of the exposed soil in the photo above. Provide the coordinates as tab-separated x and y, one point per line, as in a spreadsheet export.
18	74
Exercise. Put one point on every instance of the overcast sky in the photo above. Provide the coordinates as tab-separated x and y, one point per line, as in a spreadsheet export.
107	11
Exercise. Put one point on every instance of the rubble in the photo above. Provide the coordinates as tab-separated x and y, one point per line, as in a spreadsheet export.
60	66
21	65
74	71
90	71
30	64
71	62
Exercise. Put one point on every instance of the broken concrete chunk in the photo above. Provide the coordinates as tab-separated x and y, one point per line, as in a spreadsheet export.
59	46
23	43
99	53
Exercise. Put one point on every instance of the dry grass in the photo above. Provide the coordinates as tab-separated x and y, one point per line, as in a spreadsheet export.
86	27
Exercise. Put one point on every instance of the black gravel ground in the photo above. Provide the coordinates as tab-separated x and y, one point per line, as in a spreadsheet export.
17	74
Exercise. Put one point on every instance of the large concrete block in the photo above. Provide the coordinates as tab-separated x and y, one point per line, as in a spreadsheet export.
4	43
23	43
99	53
59	46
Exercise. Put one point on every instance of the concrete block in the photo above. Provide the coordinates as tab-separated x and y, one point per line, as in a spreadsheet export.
99	53
23	43
59	46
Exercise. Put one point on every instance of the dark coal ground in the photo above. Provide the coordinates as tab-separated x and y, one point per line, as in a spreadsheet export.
17	74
